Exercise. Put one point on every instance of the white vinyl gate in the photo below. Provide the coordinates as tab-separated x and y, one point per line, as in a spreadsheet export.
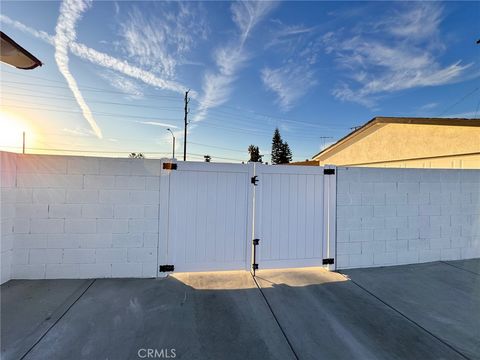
214	211
291	212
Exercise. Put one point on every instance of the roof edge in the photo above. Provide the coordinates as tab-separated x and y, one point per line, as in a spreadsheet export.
401	120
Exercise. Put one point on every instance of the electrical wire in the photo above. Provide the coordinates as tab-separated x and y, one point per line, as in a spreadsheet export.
458	101
215	107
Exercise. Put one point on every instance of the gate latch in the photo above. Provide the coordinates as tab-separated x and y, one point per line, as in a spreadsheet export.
254	180
328	261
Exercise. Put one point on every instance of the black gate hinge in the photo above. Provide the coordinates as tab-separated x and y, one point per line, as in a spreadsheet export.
328	261
254	180
167	268
169	166
328	171
254	266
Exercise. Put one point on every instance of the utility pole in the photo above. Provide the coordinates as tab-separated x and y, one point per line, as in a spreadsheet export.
23	147
187	100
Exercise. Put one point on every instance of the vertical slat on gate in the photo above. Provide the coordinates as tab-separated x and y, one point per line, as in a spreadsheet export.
302	241
201	213
211	217
318	215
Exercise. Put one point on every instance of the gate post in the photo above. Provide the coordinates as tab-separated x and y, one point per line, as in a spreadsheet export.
252	171
164	254
330	217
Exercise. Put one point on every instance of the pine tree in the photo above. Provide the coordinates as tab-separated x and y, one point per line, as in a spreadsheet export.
254	152
286	153
281	153
277	147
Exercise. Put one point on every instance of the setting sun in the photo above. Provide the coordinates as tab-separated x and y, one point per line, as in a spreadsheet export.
12	128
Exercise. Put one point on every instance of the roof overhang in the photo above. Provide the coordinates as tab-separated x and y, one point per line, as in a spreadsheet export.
13	54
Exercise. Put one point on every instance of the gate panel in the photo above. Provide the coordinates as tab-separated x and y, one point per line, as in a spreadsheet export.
208	216
289	216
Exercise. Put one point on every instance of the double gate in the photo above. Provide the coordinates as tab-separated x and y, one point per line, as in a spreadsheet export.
211	213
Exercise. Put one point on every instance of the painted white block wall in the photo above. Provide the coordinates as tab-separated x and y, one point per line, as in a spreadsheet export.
84	217
7	212
402	216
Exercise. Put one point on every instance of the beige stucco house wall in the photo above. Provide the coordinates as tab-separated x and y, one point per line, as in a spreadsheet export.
408	142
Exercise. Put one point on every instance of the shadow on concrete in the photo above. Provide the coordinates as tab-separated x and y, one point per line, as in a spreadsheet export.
225	316
443	298
207	316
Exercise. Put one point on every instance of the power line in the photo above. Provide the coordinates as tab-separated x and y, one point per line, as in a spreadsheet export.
94	113
94	101
212	113
113	152
249	131
81	87
458	101
476	110
143	142
81	151
215	107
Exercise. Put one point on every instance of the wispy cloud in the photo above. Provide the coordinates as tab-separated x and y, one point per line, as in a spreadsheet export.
160	40
79	131
290	82
419	21
394	54
125	68
70	12
157	123
229	59
295	76
105	60
464	115
131	89
42	35
429	106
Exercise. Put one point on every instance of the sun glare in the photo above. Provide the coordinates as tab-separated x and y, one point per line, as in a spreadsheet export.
11	129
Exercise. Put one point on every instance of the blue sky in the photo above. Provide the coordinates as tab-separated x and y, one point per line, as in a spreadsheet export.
115	73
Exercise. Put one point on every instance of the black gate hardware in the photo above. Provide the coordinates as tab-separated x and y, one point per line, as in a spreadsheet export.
254	180
169	166
328	261
328	171
167	268
255	265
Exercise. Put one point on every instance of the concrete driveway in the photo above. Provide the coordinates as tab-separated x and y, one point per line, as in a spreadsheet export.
427	311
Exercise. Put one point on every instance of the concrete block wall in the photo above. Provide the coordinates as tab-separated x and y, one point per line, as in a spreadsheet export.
85	217
401	216
7	212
